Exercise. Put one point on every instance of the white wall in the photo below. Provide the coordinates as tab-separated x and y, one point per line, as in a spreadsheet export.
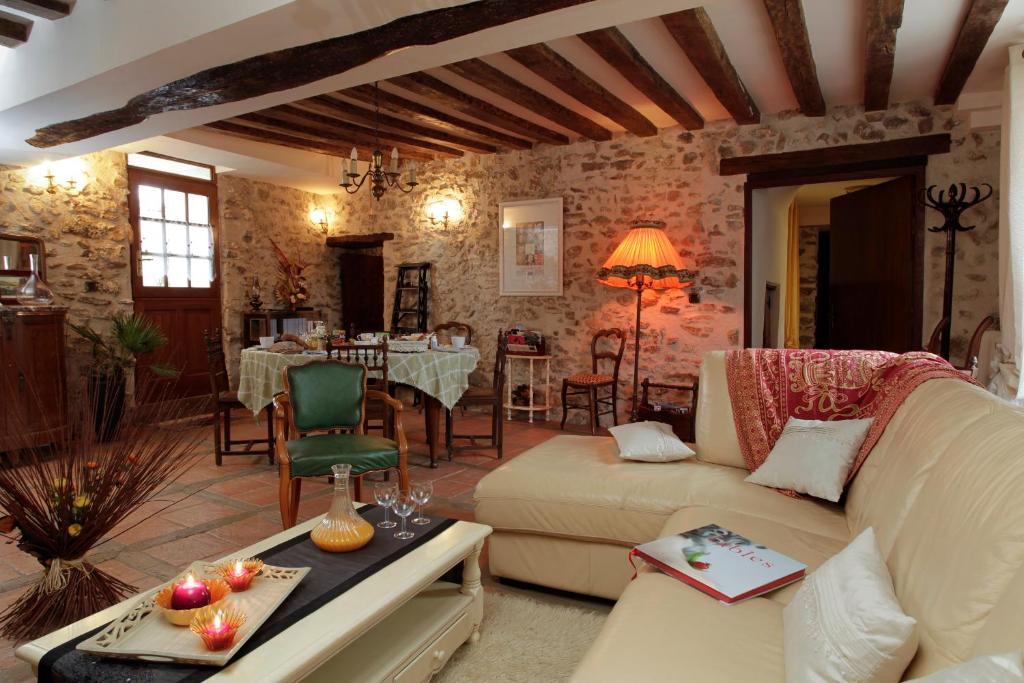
770	236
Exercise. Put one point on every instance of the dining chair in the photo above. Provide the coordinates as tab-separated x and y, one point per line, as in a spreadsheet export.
454	329
482	396
375	358
223	401
319	420
589	383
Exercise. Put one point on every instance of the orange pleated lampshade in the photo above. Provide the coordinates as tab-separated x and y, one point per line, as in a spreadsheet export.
647	256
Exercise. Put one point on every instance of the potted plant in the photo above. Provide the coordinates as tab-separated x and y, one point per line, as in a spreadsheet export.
131	337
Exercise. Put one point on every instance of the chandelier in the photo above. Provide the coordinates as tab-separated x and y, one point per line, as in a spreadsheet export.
380	180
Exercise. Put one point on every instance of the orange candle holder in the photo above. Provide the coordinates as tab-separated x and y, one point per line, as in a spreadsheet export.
217	627
218	590
240	573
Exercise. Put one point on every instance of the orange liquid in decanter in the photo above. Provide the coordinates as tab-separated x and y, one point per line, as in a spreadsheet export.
342	535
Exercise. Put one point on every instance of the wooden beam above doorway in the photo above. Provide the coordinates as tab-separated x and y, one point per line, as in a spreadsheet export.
790	28
981	20
843	155
364	241
884	19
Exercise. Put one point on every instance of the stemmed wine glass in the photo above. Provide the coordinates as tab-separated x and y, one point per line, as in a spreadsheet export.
404	505
385	493
420	492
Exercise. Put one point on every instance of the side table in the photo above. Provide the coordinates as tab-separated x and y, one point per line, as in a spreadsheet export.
530	407
679	416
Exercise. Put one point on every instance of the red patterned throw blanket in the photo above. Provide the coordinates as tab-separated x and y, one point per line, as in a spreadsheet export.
768	386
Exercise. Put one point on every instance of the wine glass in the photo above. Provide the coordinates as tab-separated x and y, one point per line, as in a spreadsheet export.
404	505
420	492
385	493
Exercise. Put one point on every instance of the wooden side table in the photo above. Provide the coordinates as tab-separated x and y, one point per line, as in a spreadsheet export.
530	407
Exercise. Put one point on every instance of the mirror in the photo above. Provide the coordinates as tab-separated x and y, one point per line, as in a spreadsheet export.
19	255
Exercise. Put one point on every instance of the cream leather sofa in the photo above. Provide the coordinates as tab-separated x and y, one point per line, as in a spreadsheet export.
943	489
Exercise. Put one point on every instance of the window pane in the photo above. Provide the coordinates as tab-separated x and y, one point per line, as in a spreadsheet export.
202	272
150	204
177	238
199	241
198	209
152	236
152	271
177	271
174	205
169	166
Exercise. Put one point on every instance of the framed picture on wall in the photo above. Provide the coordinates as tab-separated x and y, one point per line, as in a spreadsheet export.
530	247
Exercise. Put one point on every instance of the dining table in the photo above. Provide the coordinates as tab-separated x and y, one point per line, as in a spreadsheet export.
441	375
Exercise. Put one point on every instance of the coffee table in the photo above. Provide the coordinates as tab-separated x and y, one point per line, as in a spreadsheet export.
401	624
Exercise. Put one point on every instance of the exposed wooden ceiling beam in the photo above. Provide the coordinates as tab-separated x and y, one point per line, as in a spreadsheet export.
822	157
46	9
434	117
274	138
297	66
560	72
485	75
428	86
790	28
351	130
981	20
696	35
295	128
884	19
347	111
14	30
616	49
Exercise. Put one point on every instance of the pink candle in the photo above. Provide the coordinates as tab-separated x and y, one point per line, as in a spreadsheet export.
239	578
219	634
190	594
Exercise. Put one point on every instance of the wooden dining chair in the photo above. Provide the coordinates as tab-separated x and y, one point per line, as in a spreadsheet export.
320	421
590	384
375	358
482	396
454	329
223	401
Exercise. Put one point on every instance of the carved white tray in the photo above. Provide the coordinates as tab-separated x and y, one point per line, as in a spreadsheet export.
144	634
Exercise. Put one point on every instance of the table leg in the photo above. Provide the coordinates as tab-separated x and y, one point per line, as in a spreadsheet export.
531	391
547	387
471	586
432	409
508	387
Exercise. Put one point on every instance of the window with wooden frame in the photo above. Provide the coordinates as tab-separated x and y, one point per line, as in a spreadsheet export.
173	212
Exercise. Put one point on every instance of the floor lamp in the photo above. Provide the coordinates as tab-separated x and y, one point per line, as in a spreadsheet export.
644	260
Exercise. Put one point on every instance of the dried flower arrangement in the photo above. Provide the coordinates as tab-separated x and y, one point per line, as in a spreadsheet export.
68	498
291	286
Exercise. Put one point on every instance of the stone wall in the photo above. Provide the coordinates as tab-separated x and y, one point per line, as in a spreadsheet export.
673	176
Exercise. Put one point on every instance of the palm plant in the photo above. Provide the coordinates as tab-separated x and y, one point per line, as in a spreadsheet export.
131	336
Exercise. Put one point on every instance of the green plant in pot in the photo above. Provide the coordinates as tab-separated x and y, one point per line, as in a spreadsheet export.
131	337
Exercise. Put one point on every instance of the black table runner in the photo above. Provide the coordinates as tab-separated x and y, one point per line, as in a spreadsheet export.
331	575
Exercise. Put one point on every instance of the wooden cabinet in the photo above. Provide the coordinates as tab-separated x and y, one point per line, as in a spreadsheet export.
256	324
33	377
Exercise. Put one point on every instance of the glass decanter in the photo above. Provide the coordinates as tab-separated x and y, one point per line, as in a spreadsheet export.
342	529
35	291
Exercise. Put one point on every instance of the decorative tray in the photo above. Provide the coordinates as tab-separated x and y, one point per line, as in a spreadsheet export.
143	634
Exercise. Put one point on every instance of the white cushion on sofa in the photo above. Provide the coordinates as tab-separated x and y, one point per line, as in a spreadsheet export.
813	457
845	625
649	442
1008	668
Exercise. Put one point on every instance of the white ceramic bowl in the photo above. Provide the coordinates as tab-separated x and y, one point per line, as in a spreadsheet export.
266	342
458	342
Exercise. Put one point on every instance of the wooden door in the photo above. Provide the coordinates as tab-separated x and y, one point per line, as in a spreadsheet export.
175	275
874	257
362	291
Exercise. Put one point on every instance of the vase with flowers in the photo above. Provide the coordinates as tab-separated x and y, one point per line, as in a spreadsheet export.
291	284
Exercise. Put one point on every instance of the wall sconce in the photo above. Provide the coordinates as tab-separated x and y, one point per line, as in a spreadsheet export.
67	174
319	217
446	211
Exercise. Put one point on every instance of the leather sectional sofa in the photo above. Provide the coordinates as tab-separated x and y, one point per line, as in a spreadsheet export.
943	490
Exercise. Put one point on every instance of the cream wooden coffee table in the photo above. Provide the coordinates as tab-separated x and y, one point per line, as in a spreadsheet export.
401	624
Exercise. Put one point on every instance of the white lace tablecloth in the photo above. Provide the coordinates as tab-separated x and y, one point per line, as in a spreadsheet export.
445	376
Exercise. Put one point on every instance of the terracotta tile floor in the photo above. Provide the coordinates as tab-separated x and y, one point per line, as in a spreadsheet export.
212	510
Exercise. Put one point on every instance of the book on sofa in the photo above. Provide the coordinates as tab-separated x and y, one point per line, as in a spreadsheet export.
723	564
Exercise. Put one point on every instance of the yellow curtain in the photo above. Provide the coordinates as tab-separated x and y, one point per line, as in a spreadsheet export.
793	280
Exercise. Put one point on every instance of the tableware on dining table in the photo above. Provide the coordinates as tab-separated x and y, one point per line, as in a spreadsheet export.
420	492
266	342
385	493
404	505
458	342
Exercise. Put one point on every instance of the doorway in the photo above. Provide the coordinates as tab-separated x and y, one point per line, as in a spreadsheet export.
175	269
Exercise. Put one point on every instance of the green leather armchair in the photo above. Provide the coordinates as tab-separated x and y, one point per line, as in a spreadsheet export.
319	421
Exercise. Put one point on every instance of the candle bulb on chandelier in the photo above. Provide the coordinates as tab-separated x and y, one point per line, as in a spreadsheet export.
354	158
394	160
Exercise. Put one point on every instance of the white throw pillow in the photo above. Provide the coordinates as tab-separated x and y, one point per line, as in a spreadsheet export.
813	457
1008	668
649	442
845	625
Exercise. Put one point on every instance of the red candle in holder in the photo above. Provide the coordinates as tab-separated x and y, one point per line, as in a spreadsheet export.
217	628
190	594
240	573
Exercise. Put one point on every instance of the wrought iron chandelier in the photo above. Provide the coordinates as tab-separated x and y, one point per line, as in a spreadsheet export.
380	180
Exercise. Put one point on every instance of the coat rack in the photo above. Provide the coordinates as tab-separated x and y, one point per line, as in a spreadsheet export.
951	204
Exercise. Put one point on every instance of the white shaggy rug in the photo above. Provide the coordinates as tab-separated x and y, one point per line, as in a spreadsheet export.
523	640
